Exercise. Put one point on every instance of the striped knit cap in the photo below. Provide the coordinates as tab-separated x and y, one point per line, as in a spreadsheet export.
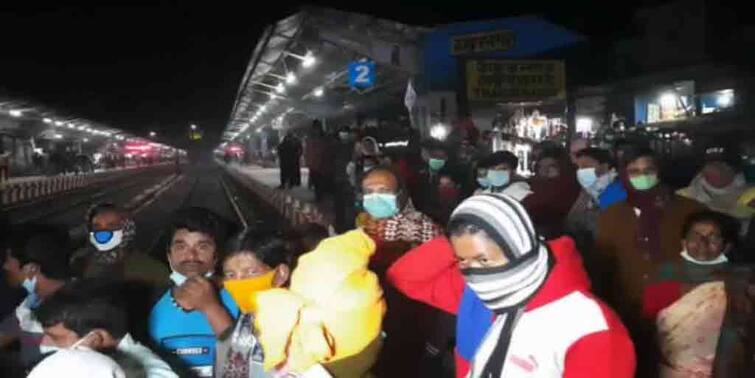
506	289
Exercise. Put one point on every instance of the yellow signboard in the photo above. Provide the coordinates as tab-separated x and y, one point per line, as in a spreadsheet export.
515	80
498	40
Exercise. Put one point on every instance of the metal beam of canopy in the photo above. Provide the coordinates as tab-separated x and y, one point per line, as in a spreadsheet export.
334	38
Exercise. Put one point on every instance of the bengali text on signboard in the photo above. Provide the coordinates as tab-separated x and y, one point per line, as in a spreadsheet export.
495	41
515	80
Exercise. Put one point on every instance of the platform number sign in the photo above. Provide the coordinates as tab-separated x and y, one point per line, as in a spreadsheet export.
362	74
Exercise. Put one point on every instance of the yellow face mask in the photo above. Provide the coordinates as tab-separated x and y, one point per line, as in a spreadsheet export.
244	291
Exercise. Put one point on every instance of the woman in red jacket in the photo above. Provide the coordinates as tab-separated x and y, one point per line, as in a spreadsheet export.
546	321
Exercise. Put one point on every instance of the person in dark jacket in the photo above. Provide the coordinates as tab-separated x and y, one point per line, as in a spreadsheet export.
601	188
436	191
633	239
343	191
289	154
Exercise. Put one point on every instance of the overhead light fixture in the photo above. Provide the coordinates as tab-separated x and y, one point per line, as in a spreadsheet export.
319	92
59	123
47	121
82	128
86	140
280	88
71	126
16	113
309	60
58	136
290	78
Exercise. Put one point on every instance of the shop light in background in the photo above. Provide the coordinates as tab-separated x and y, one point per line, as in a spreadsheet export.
58	136
725	98
439	131
47	121
193	127
85	140
319	92
584	125
668	100
16	113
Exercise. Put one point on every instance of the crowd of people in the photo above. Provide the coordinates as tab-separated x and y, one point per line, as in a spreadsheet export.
444	263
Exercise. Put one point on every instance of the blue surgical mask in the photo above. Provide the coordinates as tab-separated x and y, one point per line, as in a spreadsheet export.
499	177
30	285
436	164
106	240
484	182
380	205
587	177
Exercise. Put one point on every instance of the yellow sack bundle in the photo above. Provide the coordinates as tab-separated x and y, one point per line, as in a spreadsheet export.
744	209
333	309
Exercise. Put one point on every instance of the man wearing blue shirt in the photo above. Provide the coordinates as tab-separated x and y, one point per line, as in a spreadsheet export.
191	314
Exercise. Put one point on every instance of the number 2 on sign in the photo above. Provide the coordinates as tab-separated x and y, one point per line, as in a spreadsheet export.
363	74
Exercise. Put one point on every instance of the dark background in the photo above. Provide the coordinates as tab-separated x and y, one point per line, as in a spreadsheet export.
161	66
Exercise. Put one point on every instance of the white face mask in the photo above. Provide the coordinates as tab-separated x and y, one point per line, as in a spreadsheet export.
179	278
47	349
718	260
106	240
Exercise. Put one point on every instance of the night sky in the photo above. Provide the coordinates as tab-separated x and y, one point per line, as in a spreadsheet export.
161	67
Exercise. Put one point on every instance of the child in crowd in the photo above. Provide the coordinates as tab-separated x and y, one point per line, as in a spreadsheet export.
251	265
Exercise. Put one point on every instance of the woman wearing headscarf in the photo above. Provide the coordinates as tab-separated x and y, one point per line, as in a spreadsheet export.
700	305
554	191
527	286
